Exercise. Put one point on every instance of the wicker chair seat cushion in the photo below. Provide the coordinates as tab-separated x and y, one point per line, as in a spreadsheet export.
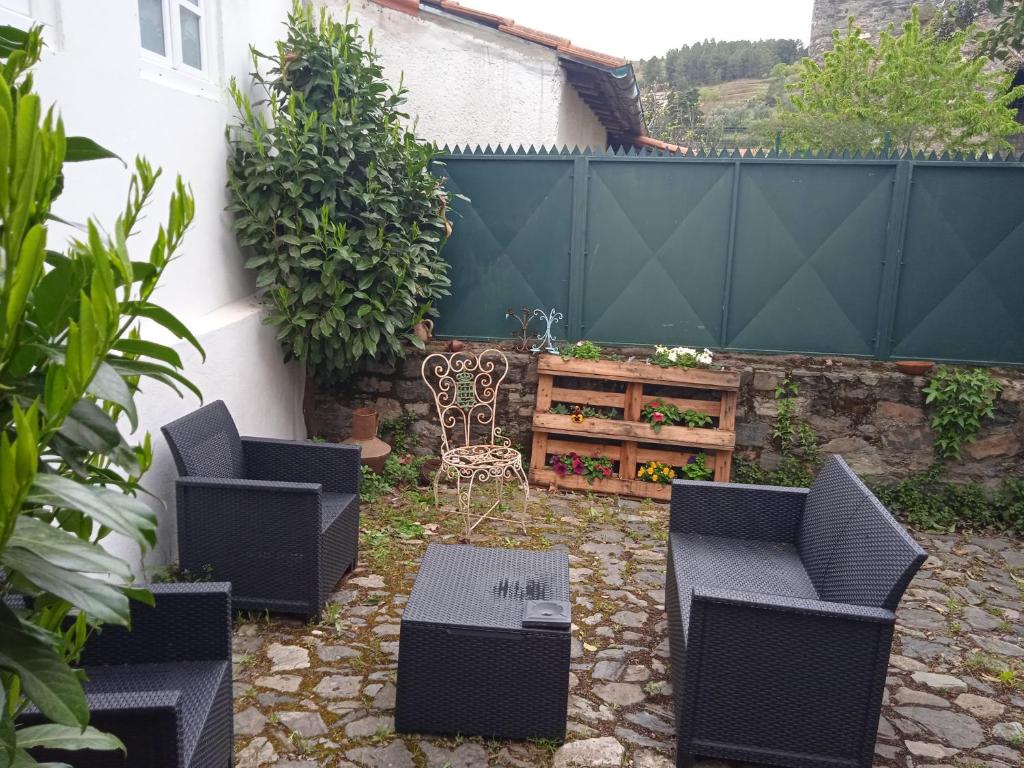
743	565
334	504
475	457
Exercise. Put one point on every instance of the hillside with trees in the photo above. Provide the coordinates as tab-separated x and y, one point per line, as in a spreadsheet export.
709	93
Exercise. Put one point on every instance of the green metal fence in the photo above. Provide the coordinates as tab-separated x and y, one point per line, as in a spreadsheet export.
874	257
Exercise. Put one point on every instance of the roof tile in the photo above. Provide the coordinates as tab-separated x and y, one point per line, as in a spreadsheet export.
472	13
535	35
586	54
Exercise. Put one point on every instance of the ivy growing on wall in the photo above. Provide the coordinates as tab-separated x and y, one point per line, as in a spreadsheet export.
335	199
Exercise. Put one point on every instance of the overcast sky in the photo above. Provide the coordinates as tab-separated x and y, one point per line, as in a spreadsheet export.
637	29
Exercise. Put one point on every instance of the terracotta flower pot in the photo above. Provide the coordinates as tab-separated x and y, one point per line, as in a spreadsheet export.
454	346
424	329
364	433
914	367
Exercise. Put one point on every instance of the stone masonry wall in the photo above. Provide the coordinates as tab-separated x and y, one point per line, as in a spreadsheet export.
867	411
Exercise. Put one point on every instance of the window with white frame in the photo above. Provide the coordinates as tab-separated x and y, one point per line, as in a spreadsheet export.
173	30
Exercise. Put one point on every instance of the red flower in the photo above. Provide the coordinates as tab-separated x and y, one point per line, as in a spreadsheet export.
606	471
657	416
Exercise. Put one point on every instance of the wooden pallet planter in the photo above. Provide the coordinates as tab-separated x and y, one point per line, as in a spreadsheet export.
629	440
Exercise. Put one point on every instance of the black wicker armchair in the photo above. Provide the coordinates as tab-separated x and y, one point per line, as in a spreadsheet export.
163	687
781	611
279	519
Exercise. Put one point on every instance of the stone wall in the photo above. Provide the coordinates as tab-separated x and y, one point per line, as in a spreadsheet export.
872	17
865	410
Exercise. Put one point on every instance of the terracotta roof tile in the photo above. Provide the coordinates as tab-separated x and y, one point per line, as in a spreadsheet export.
664	146
535	35
586	54
407	6
472	13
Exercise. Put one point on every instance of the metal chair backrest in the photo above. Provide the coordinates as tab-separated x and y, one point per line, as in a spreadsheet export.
465	390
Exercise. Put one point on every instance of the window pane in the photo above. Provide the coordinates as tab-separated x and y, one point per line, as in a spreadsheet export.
191	48
151	25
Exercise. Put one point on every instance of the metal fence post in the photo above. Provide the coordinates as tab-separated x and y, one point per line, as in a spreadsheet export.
896	230
578	245
730	250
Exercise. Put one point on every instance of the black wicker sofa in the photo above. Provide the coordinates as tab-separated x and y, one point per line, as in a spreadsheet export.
163	687
279	519
781	612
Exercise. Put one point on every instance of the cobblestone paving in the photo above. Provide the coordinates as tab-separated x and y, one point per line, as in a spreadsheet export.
324	695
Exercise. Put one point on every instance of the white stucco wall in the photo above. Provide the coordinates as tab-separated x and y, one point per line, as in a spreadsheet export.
471	84
105	89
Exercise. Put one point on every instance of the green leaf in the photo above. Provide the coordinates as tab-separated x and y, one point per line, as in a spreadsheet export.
47	680
96	598
81	149
160	373
11	39
54	736
168	321
118	512
145	348
64	549
108	385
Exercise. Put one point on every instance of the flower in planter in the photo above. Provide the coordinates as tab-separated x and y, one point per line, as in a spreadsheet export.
696	468
681	357
577	415
588	467
656	472
660	414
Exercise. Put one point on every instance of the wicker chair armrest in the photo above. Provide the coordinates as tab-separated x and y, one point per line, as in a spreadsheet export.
248	486
188	622
792	605
334	466
736	511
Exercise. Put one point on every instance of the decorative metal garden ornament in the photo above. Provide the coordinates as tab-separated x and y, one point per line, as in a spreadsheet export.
547	341
521	336
465	390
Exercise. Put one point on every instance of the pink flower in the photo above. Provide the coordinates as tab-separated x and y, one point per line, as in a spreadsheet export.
657	416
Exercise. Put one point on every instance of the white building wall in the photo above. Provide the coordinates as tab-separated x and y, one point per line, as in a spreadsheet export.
471	84
105	89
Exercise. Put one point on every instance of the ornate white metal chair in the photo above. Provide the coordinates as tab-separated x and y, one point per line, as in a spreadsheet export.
473	449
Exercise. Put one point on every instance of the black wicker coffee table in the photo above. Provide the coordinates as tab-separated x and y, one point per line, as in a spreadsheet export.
485	645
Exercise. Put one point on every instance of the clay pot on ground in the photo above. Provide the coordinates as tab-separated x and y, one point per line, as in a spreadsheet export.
454	346
375	451
424	330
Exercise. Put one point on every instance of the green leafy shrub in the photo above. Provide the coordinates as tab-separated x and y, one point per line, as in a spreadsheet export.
697	468
71	361
961	398
396	473
927	502
336	199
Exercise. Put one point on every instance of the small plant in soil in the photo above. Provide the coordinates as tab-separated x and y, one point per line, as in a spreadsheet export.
659	413
581	350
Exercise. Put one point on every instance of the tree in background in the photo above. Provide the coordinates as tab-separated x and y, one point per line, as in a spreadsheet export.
1006	39
916	85
336	200
71	361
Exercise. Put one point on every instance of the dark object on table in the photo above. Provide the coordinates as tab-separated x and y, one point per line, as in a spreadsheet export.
781	611
468	664
279	519
914	367
164	687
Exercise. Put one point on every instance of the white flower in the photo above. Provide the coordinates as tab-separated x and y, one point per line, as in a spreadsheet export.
687	351
660	350
672	356
705	357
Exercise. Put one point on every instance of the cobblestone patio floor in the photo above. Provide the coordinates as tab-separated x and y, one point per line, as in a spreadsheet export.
323	695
